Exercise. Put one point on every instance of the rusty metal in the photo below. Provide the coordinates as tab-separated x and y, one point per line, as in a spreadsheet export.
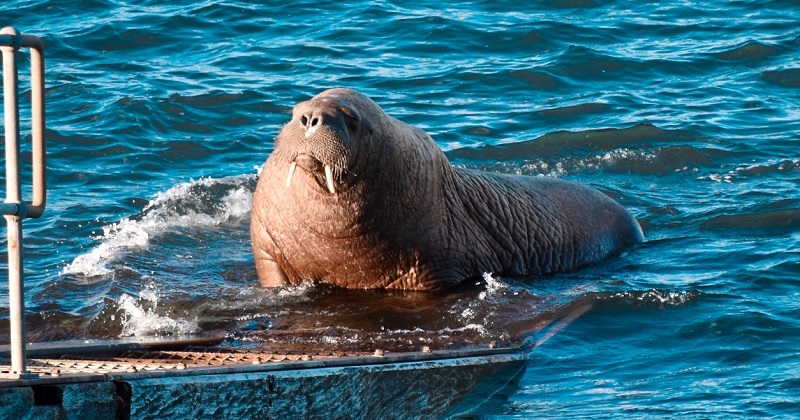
14	208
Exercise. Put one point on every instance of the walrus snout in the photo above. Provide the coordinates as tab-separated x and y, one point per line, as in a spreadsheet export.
313	166
313	119
317	140
321	114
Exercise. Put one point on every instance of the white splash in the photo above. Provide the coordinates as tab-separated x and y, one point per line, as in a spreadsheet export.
139	318
657	298
184	205
480	329
126	234
493	286
754	168
569	165
247	298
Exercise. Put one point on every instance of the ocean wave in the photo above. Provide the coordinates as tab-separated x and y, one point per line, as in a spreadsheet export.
776	222
560	143
641	149
659	161
788	77
750	170
208	202
654	298
751	51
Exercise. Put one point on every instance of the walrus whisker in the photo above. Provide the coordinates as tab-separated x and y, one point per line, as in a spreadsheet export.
292	167
329	179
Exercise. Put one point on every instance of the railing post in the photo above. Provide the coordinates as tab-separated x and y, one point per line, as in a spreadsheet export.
14	208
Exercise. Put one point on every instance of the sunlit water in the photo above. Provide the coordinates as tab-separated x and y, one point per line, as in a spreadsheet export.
160	113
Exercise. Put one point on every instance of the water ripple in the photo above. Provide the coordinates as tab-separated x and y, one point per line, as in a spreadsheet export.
686	113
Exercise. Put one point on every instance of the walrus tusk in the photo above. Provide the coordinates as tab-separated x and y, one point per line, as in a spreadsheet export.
292	167
329	179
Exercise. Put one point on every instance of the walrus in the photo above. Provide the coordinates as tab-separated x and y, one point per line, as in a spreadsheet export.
353	197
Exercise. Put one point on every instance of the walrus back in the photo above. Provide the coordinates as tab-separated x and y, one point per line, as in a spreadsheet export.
540	225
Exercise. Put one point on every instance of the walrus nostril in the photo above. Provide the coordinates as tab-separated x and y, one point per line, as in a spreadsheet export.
310	120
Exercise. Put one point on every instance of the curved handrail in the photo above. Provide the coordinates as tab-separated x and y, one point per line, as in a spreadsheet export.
14	208
38	146
11	41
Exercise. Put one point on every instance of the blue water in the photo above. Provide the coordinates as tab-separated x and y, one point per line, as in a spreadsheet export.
159	116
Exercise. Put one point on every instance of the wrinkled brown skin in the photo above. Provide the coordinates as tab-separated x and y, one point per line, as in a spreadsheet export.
403	217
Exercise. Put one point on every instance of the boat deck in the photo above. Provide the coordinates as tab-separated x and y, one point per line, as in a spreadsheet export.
198	377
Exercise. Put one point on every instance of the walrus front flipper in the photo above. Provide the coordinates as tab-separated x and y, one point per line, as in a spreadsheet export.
269	274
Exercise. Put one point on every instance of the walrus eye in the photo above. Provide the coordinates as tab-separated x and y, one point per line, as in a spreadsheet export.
351	117
352	123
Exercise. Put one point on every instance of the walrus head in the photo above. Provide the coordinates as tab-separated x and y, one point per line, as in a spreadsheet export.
318	139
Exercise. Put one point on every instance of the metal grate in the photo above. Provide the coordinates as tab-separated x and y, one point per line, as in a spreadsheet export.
154	361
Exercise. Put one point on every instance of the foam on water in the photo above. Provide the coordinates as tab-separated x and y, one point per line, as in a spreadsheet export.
743	171
652	298
140	317
656	161
493	285
190	204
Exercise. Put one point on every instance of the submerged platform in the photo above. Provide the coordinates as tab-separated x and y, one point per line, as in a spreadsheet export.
199	378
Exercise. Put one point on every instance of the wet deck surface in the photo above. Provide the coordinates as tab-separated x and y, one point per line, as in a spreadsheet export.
79	360
292	377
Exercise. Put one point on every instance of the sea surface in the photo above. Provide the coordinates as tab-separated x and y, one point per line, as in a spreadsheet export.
160	114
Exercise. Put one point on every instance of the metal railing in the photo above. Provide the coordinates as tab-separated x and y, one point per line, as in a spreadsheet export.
14	209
